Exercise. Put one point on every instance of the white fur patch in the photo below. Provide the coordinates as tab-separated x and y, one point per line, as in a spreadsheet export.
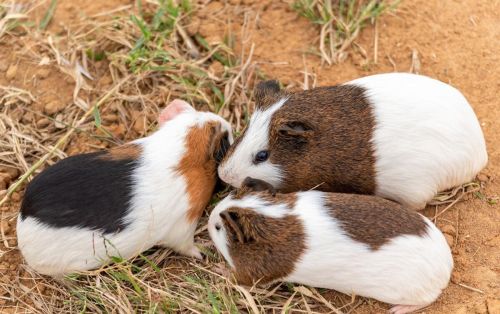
426	138
157	214
219	237
409	270
240	164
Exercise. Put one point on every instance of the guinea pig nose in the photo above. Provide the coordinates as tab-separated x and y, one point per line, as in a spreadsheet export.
224	175
258	185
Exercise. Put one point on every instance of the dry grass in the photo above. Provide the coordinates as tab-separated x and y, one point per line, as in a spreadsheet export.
340	22
147	57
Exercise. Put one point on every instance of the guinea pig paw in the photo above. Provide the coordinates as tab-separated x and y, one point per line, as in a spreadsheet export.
193	252
403	309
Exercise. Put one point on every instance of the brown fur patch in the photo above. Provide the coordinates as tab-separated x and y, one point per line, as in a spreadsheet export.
198	166
258	185
267	248
267	93
126	151
334	152
373	220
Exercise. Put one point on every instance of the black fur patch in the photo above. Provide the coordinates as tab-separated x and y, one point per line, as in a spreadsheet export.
223	148
86	191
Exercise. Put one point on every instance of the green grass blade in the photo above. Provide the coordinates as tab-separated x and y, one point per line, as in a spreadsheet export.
48	15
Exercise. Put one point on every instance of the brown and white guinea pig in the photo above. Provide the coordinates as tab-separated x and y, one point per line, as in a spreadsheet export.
351	243
401	136
152	191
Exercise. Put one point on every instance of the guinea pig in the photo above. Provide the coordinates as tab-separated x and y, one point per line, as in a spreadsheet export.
400	136
351	243
87	208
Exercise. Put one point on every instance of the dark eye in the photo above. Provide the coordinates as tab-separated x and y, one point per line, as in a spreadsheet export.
261	156
217	227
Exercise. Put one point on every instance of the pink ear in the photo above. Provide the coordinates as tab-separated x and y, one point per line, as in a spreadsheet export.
176	107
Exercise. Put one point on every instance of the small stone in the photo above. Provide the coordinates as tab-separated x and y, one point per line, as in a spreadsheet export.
58	123
139	125
493	306
42	123
482	177
27	117
53	107
16	197
12	266
5	226
456	278
216	68
110	118
11	72
449	239
4	65
449	229
11	172
118	130
43	73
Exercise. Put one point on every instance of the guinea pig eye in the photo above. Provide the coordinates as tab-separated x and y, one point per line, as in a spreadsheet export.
217	227
261	156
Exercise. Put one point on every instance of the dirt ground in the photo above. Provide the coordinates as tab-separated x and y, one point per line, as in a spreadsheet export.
456	41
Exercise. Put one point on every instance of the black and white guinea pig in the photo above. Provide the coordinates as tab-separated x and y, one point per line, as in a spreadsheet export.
351	243
400	136
152	191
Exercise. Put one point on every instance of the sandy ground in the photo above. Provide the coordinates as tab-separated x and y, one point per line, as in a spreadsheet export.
455	41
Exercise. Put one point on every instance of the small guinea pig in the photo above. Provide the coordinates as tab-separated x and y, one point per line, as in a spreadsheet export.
351	243
400	136
152	191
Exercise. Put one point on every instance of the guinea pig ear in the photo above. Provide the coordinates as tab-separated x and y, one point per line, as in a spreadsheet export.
220	145
238	224
266	93
175	107
294	129
251	184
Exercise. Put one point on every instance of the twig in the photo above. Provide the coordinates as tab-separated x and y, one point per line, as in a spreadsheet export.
322	44
470	288
415	62
240	73
249	298
193	50
391	61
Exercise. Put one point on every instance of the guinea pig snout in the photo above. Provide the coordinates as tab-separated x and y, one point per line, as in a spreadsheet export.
227	176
